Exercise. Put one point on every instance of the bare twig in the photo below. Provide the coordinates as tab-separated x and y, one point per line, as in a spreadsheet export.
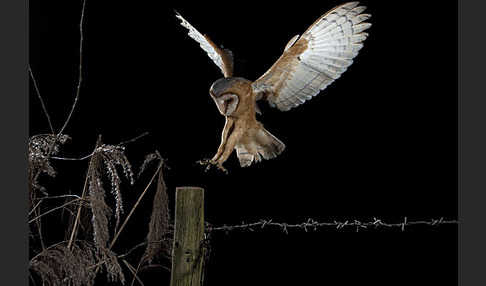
39	230
35	207
61	197
54	209
126	253
132	249
135	206
32	279
134	272
47	248
92	153
44	108
78	215
50	197
119	256
155	266
80	75
72	159
134	139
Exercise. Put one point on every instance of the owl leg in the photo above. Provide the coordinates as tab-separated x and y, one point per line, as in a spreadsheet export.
228	148
228	142
228	126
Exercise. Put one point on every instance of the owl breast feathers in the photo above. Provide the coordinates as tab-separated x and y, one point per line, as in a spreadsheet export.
310	62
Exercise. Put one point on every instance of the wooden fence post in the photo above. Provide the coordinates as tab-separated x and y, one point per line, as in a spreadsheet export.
187	254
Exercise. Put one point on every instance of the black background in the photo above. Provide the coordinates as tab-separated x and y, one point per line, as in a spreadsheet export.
379	142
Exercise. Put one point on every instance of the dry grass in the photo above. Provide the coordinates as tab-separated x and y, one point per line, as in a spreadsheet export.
80	260
59	265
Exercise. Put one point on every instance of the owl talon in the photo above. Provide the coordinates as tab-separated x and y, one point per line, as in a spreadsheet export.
208	166
221	168
210	163
205	162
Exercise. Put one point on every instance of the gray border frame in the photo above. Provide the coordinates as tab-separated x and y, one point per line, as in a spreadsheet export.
14	126
471	155
472	142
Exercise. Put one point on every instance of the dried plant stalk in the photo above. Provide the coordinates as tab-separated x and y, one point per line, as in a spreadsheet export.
41	147
159	234
99	209
89	173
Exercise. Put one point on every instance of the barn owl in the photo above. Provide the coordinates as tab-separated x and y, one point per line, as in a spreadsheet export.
309	63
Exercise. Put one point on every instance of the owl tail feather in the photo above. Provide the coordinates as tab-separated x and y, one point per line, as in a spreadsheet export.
264	145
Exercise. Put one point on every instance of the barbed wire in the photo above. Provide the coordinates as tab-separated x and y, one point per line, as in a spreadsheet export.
313	225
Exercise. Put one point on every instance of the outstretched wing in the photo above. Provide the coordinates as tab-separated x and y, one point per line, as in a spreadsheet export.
223	58
313	61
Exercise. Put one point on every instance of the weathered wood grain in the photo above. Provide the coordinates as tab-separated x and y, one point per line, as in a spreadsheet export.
187	253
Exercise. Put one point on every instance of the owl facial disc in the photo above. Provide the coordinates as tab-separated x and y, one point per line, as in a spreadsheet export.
227	103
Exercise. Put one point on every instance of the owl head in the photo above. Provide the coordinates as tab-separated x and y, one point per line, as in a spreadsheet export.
226	93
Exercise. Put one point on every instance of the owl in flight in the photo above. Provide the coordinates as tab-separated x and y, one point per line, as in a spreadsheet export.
309	63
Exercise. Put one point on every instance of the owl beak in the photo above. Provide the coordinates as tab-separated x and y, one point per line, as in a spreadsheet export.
224	105
221	103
